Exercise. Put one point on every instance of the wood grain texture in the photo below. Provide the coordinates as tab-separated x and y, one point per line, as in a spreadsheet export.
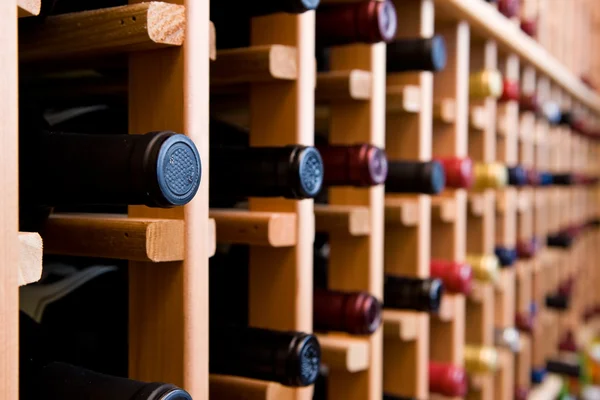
444	111
403	99
485	21
402	212
343	85
28	8
9	245
30	257
351	220
346	353
255	64
168	325
97	235
400	325
138	27
233	388
255	228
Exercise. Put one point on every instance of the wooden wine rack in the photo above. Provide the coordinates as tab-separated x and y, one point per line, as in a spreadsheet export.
415	116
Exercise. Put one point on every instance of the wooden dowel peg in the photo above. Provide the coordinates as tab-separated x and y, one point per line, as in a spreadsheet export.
343	86
444	111
257	64
255	228
478	118
443	209
224	387
401	325
30	258
401	211
447	308
212	237
110	236
353	220
212	42
403	99
136	27
28	8
344	352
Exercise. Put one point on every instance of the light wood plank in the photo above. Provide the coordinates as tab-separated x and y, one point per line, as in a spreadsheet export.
403	99
255	228
400	325
138	27
224	387
351	220
344	353
402	211
29	8
343	85
30	257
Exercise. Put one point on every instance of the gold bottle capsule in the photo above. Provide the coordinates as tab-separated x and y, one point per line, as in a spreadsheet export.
486	83
480	359
485	268
489	176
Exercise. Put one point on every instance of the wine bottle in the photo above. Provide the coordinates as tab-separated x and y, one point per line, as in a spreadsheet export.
561	240
506	256
525	321
517	176
565	179
508	338
42	377
529	26
490	176
545	178
459	172
551	111
557	302
413	293
509	8
415	177
353	165
293	172
527	248
457	277
533	177
485	267
480	359
510	91
486	83
417	54
369	21
357	313
447	379
528	102
290	358
565	365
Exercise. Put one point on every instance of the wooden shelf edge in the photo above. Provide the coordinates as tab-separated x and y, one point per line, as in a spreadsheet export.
344	352
401	211
28	8
30	258
224	387
487	22
343	86
402	325
352	220
405	99
272	229
443	209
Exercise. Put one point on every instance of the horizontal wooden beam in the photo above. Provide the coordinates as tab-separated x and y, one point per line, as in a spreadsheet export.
343	86
257	64
402	325
403	99
110	236
401	211
486	22
344	352
224	387
478	118
136	27
353	220
255	228
30	258
28	8
443	209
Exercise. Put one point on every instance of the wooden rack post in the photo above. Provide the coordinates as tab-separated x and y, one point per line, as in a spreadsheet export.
168	335
356	263
9	383
407	250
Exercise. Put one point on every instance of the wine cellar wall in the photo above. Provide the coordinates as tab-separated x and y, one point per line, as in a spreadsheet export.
328	200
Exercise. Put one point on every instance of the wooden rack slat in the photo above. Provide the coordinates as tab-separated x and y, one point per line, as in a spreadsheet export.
402	211
28	8
402	325
30	257
343	85
351	220
98	235
224	387
346	353
138	27
255	228
9	245
403	99
485	21
255	64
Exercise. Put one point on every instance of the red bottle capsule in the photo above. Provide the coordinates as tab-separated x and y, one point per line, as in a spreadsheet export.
353	165
533	178
459	172
528	102
527	248
510	91
529	26
509	8
525	322
457	277
521	393
358	313
447	379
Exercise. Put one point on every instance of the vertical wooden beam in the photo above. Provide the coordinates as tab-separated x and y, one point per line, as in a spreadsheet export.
168	335
281	113
9	331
